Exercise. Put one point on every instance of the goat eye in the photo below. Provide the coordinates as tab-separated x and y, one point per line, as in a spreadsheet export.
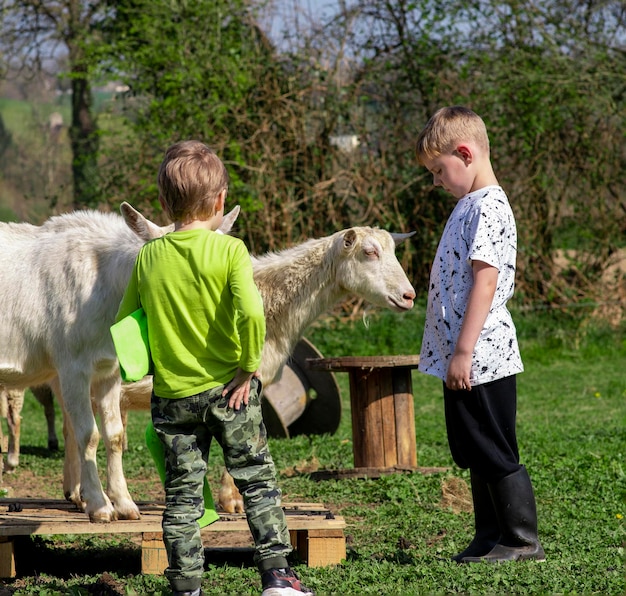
371	252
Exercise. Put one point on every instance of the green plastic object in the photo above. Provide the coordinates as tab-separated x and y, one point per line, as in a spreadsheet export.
158	455
130	338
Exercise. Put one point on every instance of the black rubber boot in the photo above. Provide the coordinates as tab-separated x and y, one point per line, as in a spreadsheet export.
514	502
485	521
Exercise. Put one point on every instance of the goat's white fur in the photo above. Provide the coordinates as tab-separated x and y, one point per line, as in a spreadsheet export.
79	265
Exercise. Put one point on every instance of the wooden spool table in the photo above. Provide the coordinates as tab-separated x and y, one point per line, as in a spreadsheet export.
383	414
302	401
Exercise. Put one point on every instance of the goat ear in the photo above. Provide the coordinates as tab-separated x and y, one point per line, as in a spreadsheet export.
144	228
229	220
349	238
128	211
397	238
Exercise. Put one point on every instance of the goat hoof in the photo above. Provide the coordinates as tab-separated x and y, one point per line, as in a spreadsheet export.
125	508
132	515
104	515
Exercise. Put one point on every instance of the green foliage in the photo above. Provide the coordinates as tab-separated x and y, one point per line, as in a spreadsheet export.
552	86
5	137
548	82
32	38
193	67
7	214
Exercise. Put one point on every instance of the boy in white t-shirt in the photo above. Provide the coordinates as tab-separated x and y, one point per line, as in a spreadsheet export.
470	340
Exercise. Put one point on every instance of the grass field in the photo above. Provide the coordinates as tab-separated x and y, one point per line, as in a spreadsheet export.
403	528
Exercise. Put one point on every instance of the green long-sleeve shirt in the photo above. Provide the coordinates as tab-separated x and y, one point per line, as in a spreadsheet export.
204	312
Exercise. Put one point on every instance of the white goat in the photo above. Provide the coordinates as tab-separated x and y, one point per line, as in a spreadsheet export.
62	284
75	268
11	403
299	284
43	394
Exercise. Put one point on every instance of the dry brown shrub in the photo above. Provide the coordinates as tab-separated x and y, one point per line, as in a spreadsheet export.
608	291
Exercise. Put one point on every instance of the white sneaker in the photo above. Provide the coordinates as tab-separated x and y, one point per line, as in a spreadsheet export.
283	582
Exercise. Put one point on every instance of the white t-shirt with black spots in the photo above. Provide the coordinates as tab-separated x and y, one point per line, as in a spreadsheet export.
482	228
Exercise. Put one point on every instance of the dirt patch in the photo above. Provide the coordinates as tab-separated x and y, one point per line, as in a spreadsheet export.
24	484
107	585
306	466
456	495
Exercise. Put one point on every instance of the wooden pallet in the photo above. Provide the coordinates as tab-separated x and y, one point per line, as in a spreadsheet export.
316	534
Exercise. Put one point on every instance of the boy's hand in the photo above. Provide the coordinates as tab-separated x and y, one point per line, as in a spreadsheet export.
458	378
240	388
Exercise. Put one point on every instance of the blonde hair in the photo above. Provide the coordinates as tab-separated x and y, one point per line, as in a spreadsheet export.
190	179
447	127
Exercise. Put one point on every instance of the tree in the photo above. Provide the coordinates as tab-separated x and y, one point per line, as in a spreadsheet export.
549	79
34	34
551	82
206	70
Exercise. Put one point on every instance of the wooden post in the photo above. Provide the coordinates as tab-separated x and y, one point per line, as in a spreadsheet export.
404	411
319	548
153	554
7	557
382	409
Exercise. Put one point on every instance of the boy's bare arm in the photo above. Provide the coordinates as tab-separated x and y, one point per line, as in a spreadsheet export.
478	305
240	388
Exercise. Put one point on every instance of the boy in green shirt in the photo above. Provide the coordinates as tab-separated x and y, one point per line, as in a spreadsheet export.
206	329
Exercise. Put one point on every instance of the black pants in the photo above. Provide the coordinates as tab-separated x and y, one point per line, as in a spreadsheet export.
481	428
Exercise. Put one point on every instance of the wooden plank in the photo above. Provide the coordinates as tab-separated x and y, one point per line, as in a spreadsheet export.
373	454
348	363
356	414
388	419
153	554
365	473
56	517
317	547
404	418
316	533
325	547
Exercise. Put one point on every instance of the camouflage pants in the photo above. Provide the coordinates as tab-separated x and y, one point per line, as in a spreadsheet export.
186	427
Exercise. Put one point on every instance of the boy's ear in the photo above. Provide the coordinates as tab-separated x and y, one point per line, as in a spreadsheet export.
465	153
221	198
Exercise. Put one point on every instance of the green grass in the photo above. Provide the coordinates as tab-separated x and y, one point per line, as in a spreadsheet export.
572	437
